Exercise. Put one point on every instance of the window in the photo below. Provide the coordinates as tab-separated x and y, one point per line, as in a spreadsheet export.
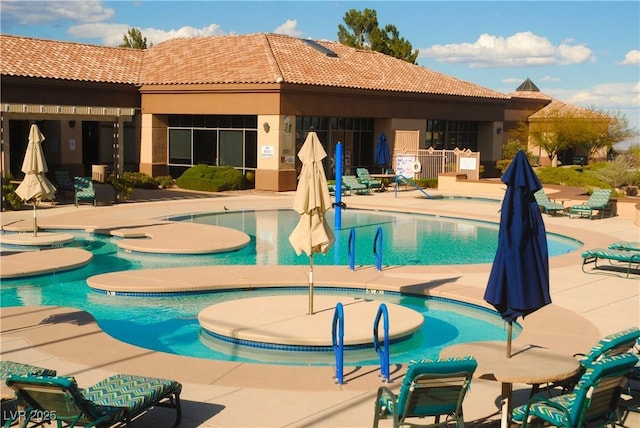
451	134
180	146
213	140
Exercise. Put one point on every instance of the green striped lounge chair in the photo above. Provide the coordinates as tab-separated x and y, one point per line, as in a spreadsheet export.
114	400
429	389
595	397
365	178
84	190
546	205
613	344
618	260
626	245
598	201
354	185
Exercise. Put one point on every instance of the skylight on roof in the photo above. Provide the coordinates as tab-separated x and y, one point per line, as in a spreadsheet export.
317	46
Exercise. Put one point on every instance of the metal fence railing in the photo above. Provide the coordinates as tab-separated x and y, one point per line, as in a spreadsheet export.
429	163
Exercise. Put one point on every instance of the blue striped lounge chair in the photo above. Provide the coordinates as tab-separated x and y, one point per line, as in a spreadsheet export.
429	389
595	397
114	400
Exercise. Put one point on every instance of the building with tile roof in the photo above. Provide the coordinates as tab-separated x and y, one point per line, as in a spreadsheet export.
241	100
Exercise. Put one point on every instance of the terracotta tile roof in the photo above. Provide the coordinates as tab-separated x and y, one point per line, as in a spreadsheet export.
250	58
557	108
29	57
530	95
271	58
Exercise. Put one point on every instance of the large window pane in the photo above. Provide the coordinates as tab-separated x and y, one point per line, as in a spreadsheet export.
204	147
180	146
231	148
251	149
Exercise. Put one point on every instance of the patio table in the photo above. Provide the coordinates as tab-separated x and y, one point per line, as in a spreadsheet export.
386	179
528	364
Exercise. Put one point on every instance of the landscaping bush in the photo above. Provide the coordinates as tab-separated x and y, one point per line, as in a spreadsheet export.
139	180
571	176
165	181
11	200
210	178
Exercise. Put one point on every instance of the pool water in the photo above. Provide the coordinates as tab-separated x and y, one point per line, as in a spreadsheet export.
407	239
169	324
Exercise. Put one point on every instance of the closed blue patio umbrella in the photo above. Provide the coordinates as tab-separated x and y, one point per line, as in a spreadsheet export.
519	280
383	154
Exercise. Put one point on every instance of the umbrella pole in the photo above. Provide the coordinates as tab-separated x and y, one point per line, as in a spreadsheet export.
311	284
35	219
509	331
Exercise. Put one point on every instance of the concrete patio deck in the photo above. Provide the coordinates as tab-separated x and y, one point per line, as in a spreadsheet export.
221	394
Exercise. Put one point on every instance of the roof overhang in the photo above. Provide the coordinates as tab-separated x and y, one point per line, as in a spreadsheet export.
63	111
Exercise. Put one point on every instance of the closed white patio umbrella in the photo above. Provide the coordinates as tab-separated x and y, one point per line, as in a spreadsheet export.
312	234
35	186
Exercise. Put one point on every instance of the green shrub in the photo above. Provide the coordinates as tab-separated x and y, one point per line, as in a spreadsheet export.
121	185
572	176
616	173
10	201
165	181
210	178
139	180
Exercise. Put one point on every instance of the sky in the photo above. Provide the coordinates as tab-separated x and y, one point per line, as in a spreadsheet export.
585	53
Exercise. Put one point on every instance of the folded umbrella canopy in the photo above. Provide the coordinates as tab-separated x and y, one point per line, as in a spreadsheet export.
519	280
383	154
312	234
35	186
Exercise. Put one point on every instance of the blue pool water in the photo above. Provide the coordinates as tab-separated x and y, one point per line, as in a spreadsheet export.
169	324
407	239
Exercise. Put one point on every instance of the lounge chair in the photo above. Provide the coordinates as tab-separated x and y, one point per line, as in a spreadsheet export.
546	205
12	368
115	400
430	388
625	245
613	344
84	190
618	259
595	398
8	368
598	201
332	189
63	182
354	185
366	179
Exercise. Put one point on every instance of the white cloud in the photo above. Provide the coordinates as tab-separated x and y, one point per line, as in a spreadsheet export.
631	58
517	80
289	28
112	34
519	50
549	79
622	97
39	12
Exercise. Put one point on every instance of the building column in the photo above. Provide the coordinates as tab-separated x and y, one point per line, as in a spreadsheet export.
276	153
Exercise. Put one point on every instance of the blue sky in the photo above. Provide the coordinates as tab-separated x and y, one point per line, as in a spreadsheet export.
582	52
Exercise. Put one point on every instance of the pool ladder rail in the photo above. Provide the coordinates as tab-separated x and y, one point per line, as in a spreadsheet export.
377	248
337	334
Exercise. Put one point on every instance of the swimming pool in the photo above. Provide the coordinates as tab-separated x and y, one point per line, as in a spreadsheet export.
169	324
408	239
